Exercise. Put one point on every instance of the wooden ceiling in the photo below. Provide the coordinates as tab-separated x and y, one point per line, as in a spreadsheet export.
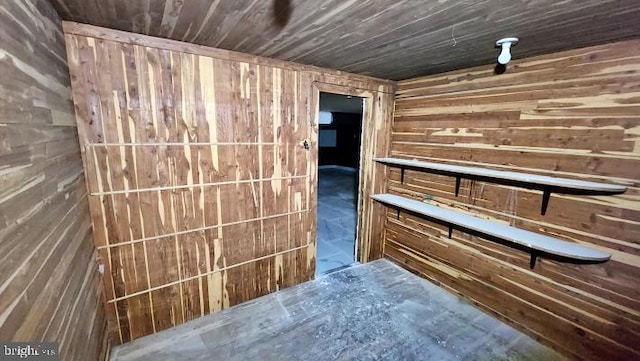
392	39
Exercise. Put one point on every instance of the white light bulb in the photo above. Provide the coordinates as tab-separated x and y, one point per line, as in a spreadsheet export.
505	54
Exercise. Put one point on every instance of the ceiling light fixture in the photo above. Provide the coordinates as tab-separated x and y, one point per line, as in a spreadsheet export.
505	53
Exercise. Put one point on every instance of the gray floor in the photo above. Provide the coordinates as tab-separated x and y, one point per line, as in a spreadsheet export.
337	197
375	311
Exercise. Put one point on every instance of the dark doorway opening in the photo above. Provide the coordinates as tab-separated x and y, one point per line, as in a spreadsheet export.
339	140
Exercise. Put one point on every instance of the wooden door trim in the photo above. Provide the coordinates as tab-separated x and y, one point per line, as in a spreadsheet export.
363	241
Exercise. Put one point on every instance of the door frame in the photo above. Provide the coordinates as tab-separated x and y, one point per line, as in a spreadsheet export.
367	210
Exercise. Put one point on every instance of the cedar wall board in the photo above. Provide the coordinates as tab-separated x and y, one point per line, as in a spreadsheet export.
573	114
50	289
201	192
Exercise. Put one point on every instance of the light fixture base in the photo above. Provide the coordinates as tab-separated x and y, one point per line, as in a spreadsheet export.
512	41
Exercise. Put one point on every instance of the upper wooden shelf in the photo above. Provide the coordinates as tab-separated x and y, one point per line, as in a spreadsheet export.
533	181
536	243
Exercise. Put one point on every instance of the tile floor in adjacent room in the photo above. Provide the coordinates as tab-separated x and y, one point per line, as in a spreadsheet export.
374	311
337	218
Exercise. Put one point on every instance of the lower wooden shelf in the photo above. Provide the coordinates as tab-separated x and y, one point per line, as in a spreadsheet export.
535	243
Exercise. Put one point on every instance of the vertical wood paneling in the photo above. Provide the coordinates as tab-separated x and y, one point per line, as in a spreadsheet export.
49	285
202	194
574	114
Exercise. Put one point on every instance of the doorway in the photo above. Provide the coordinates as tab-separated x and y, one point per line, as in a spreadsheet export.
339	143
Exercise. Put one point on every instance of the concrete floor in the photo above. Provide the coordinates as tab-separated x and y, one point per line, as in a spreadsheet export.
337	217
375	311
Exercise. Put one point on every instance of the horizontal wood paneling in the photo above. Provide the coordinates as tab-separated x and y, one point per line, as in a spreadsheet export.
201	192
50	289
574	114
391	39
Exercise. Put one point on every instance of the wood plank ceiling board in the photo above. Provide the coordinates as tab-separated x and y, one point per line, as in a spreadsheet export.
388	39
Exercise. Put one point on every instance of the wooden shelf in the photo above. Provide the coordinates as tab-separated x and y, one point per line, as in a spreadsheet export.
546	184
537	244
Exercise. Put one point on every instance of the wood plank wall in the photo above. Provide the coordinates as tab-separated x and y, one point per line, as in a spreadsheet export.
50	289
201	192
574	114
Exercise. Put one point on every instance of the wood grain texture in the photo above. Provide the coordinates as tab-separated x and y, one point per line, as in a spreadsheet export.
573	114
391	39
201	192
50	289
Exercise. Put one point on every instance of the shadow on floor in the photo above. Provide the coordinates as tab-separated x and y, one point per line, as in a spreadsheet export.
337	218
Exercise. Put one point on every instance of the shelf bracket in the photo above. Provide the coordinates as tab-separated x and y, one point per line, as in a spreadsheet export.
457	187
546	194
401	175
450	231
532	262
